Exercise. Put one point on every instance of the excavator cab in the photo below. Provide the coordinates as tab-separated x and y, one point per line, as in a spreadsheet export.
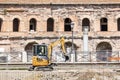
40	58
40	50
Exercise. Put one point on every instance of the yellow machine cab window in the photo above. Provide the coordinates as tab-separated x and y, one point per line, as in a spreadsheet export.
40	50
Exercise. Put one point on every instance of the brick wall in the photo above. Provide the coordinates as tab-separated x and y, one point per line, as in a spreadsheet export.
42	13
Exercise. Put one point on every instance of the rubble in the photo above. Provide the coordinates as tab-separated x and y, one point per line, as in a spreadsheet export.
96	74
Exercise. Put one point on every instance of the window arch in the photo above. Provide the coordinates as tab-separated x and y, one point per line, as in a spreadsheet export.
50	24
85	22
32	26
1	22
67	24
16	23
103	24
118	24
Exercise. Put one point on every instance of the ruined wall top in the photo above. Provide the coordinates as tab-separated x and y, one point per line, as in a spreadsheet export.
59	1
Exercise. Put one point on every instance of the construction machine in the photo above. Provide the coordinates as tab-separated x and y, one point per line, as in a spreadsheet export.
41	59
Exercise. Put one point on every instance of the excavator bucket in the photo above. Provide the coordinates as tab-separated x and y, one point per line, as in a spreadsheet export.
66	58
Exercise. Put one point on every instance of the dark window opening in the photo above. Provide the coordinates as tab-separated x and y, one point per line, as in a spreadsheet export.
16	23
85	22
1	22
50	24
103	24
103	27
67	24
32	25
118	24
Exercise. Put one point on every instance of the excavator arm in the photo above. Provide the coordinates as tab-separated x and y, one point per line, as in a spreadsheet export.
50	47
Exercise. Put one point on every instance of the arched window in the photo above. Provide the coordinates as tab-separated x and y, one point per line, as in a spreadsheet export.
32	26
50	24
1	22
85	22
103	24
67	24
118	24
16	23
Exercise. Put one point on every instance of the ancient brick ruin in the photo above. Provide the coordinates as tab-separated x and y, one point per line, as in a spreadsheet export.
25	22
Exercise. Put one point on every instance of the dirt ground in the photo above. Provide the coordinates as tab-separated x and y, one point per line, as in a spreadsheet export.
86	74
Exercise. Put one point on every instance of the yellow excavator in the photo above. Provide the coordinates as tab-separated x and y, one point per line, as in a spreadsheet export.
41	59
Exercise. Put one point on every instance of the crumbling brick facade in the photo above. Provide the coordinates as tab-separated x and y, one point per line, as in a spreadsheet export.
31	18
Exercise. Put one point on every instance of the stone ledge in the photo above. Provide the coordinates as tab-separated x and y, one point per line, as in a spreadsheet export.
59	1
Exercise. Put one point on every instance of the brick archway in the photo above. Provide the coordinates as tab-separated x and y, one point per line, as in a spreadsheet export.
104	50
28	49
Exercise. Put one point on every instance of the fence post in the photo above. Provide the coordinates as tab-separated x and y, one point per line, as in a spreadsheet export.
119	56
24	57
90	56
8	57
73	56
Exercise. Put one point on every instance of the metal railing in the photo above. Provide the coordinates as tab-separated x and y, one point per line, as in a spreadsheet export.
99	56
10	57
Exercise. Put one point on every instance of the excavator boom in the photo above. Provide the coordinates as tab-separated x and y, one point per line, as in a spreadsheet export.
62	42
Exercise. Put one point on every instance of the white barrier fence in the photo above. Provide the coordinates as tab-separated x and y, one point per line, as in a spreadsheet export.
99	56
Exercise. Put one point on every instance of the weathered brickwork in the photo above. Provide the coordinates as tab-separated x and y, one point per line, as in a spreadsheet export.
19	41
